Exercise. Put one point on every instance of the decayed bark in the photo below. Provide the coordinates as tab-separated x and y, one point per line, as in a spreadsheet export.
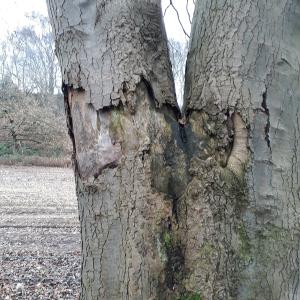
243	71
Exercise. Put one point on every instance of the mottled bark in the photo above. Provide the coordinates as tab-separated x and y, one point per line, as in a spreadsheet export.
243	68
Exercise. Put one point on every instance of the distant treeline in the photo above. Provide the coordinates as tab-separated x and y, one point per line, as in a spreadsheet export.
32	122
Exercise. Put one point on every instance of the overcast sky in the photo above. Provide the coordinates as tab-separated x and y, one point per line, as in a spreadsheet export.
13	15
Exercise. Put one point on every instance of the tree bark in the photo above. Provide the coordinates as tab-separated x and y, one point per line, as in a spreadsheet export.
122	117
172	207
243	70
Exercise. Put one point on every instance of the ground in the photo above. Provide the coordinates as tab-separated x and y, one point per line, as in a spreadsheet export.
39	234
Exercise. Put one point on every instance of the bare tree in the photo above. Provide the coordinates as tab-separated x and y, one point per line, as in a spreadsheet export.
26	127
30	59
31	118
171	206
178	54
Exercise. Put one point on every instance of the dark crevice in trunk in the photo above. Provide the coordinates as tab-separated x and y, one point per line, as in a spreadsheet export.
267	112
150	90
177	153
173	108
66	89
183	134
230	130
174	265
175	209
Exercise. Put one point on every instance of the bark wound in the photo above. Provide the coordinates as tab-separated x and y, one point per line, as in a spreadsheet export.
95	148
239	153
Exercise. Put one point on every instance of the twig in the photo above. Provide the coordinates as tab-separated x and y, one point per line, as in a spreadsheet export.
187	10
178	17
166	9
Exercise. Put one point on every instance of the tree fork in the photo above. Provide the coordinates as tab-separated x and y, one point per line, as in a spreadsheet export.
204	205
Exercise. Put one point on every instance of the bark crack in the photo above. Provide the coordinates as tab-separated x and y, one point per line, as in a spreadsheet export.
66	92
267	112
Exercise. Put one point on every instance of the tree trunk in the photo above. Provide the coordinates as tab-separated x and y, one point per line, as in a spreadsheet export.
243	70
175	207
122	116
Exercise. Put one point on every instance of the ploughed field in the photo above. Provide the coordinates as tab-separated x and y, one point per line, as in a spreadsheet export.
39	234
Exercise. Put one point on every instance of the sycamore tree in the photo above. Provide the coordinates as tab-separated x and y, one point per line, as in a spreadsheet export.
202	204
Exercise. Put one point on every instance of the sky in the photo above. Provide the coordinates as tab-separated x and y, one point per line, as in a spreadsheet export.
13	15
173	27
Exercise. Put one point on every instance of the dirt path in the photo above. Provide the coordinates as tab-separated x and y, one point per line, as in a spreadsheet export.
39	234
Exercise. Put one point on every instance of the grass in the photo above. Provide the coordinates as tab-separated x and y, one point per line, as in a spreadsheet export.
51	157
33	160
